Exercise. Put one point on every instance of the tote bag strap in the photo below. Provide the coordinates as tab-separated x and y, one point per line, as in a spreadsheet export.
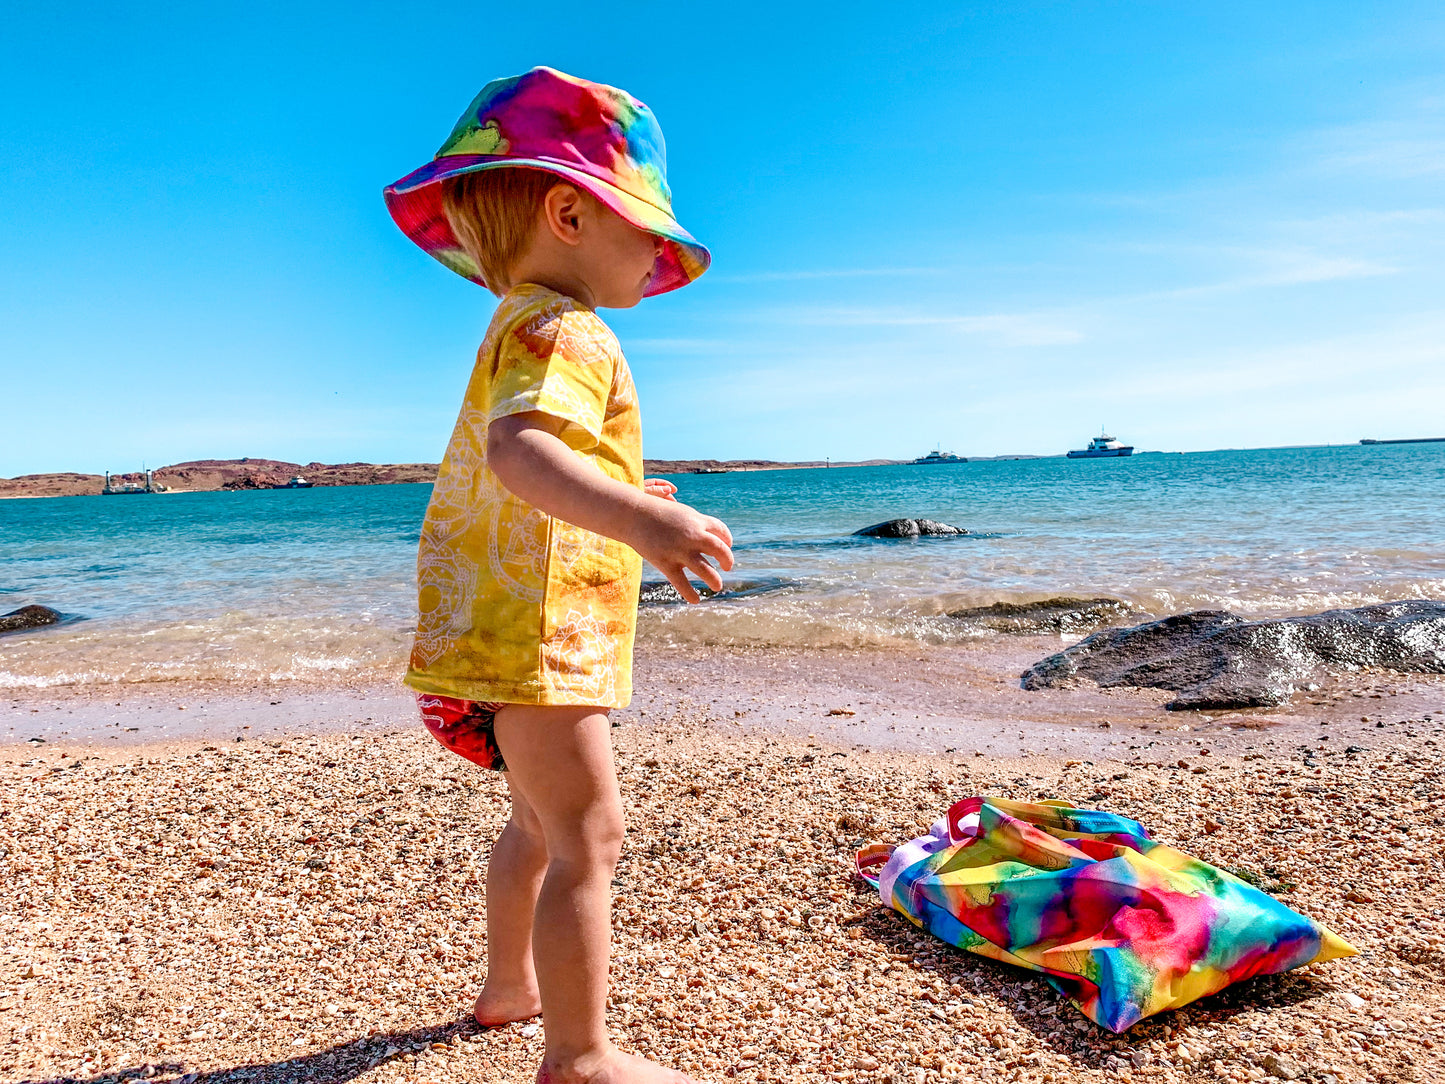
870	860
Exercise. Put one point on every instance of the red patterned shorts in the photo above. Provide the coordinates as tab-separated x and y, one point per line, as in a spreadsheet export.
464	727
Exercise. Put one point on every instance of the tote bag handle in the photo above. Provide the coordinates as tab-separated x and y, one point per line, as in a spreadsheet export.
870	860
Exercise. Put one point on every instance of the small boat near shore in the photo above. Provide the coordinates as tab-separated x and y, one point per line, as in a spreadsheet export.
937	456
129	489
1101	447
297	482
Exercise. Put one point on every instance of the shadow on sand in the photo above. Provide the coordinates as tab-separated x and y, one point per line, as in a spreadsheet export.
334	1065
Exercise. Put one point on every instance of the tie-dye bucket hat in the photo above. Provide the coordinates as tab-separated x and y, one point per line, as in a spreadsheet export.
598	137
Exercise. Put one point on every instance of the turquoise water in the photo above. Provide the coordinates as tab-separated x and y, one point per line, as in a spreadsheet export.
317	583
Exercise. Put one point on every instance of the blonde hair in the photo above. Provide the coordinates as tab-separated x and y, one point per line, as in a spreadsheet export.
492	212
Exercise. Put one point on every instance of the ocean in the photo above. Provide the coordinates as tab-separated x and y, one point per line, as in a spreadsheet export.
316	585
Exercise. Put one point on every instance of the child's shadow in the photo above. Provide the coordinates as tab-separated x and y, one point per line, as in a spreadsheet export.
1047	1014
335	1065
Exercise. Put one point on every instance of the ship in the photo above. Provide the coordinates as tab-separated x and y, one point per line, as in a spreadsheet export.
127	489
1102	446
937	456
296	482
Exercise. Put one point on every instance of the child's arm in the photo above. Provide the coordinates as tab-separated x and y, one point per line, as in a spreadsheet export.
528	456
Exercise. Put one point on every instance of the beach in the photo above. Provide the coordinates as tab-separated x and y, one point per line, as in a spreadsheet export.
234	854
301	898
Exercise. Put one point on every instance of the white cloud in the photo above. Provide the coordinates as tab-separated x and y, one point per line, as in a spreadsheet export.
1004	329
1401	149
826	273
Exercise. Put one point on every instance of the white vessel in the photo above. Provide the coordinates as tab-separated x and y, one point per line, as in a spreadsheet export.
1102	446
936	456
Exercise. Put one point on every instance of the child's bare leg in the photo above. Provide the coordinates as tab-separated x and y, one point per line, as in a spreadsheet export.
560	760
514	877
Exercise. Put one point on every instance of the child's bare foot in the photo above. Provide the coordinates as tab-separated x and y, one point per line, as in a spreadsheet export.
611	1067
498	1006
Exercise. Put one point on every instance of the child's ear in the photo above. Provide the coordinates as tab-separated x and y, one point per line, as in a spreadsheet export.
564	207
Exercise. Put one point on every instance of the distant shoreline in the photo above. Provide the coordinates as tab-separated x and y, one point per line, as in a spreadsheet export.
217	475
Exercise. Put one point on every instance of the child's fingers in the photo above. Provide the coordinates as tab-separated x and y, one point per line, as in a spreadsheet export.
719	551
719	528
705	571
678	578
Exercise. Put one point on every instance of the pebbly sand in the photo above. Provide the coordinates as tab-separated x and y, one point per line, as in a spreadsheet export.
305	903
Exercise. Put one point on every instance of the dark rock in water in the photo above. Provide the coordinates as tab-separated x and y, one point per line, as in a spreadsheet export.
28	617
662	593
1049	615
909	528
1215	659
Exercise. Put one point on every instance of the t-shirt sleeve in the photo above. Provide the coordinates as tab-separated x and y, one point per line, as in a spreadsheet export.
560	363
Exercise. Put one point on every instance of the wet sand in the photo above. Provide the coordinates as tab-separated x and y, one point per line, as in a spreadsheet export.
306	903
964	699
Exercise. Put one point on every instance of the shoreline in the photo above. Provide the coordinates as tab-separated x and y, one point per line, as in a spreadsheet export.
227	475
929	700
310	904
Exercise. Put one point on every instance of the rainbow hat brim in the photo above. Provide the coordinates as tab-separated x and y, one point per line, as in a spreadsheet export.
415	204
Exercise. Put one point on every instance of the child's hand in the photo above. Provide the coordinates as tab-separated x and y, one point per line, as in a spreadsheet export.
660	487
676	538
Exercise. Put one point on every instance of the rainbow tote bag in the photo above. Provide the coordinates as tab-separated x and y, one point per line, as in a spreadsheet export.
1122	926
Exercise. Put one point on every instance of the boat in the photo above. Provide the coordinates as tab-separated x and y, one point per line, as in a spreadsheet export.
297	482
937	456
1102	446
128	489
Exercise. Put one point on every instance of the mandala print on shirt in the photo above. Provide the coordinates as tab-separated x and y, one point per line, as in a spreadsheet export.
578	336
579	659
446	590
556	398
517	549
454	504
446	576
572	544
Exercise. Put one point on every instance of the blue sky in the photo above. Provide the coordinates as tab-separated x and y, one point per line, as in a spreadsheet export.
990	227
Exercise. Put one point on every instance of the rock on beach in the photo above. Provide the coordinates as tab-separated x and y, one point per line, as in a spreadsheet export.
1056	615
1216	660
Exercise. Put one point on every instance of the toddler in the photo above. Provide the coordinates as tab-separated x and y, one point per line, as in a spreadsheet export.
551	191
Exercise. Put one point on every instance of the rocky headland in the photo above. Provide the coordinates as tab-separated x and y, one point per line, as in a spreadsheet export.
200	475
209	475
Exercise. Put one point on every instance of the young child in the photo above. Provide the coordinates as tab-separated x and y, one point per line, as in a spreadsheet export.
552	193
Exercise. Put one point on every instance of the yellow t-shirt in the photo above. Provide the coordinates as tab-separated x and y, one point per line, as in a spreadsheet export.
514	605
